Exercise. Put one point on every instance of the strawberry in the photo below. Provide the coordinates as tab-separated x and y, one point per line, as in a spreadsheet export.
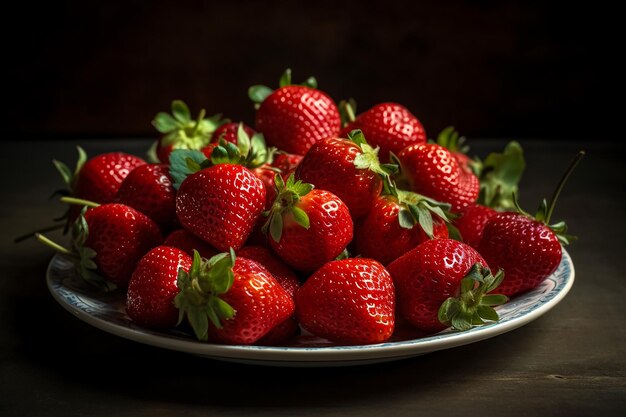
107	242
392	226
308	227
221	204
148	188
389	126
348	168
472	222
294	117
527	248
187	242
287	279
180	131
152	288
431	170
231	300
444	282
228	132
350	301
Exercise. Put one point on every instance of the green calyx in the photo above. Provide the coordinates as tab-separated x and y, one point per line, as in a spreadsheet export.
499	175
69	177
450	139
347	111
368	158
546	209
251	152
474	305
183	132
287	197
81	256
258	93
417	209
200	290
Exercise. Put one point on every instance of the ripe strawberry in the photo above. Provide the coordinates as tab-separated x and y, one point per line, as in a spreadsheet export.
347	168
148	188
107	242
152	288
294	117
472	223
391	229
188	242
443	282
228	132
230	300
350	301
180	131
221	204
431	170
307	227
452	141
389	126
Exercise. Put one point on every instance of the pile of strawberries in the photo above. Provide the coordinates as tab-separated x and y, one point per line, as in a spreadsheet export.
351	228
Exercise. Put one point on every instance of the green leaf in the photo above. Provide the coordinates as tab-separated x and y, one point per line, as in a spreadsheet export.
310	82
453	232
180	168
460	323
224	310
181	111
164	123
285	79
258	93
446	308
221	276
276	226
488	313
406	219
425	220
65	172
300	217
357	137
301	188
243	140
199	323
219	155
82	158
494	299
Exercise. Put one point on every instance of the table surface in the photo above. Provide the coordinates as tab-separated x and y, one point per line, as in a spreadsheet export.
571	360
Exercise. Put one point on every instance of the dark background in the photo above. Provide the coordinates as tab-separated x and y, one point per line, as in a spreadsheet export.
493	69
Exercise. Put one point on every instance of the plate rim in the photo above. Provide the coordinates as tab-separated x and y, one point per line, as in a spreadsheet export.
314	354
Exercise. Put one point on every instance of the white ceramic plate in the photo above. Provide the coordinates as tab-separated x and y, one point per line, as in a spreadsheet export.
106	312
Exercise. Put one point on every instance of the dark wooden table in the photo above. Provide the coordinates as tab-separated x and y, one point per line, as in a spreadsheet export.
571	361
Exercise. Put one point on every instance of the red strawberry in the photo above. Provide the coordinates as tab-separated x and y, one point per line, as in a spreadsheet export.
294	117
180	131
526	247
287	279
307	227
431	170
472	223
389	126
228	132
149	189
390	229
152	288
443	282
350	301
286	162
221	204
348	168
231	301
187	242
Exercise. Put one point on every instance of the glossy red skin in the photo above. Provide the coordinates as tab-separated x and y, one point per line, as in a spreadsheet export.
148	188
286	162
228	132
349	302
101	176
260	303
379	235
433	171
427	275
329	165
152	288
527	250
187	242
293	118
121	236
287	278
472	223
329	233
390	126
221	205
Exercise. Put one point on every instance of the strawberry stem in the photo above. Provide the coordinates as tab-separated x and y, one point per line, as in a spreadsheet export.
43	230
197	125
562	182
78	201
53	245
